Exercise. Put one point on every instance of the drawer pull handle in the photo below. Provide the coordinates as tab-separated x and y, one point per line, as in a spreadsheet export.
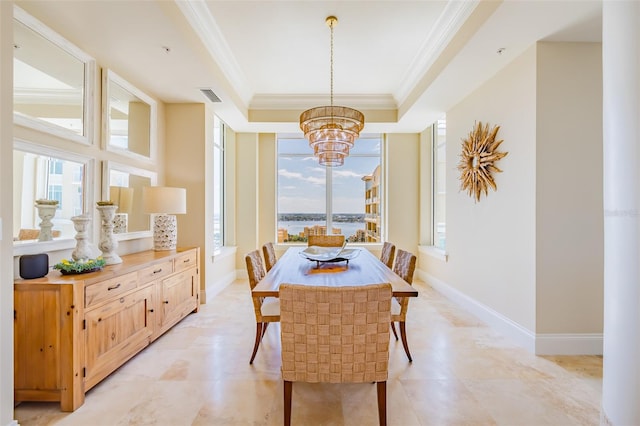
186	261
157	271
113	287
166	302
151	310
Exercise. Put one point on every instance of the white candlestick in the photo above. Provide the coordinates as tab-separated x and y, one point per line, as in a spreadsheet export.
108	244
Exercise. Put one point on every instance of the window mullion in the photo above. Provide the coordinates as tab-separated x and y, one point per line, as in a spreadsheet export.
329	199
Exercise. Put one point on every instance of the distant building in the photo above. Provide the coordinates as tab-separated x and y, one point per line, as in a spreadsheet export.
314	230
283	235
372	206
359	237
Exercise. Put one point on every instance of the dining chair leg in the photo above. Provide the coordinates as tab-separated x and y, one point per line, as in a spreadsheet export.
287	402
403	335
393	328
382	403
264	328
259	333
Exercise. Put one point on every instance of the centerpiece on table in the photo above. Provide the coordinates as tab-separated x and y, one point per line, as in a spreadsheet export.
80	266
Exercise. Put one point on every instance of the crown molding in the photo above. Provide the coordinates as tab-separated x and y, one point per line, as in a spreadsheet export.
448	24
204	24
302	102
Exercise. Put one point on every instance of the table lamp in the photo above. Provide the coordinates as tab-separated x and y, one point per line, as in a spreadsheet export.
164	202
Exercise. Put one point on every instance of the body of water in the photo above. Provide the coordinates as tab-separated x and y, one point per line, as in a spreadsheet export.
295	227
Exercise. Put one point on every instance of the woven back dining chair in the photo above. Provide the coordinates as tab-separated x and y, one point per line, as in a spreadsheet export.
326	240
269	253
387	253
405	266
335	335
267	309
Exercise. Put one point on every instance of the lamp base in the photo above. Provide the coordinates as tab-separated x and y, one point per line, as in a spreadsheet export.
165	232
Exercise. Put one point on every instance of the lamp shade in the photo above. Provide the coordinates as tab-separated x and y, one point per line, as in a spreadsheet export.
164	199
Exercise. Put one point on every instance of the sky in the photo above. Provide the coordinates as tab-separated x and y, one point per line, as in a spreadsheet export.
301	180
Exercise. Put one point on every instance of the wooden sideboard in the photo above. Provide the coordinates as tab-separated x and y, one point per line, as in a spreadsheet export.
72	331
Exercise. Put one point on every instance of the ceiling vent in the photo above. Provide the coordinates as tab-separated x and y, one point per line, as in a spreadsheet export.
210	95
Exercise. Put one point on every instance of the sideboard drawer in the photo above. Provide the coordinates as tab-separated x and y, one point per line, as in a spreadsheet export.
185	261
156	271
108	289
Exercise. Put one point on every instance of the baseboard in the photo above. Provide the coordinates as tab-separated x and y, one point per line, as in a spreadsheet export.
218	285
539	344
569	344
241	274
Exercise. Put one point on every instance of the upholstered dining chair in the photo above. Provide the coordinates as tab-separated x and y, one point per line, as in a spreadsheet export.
387	253
326	240
335	335
269	253
405	266
267	309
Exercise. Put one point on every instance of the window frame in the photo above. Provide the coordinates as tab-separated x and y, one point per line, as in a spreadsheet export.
329	192
219	143
435	145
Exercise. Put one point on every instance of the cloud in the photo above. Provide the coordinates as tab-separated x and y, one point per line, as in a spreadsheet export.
295	175
347	173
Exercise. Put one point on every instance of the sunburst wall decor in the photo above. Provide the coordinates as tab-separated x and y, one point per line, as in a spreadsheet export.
479	152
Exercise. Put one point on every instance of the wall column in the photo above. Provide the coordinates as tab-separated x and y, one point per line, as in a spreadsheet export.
6	215
621	109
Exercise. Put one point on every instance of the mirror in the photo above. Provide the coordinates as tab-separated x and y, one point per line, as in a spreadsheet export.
129	118
123	185
52	81
40	172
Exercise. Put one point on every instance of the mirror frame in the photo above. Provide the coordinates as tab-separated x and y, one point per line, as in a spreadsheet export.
107	166
89	62
31	247
109	77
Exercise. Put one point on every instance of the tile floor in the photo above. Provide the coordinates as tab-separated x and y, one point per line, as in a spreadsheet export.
463	373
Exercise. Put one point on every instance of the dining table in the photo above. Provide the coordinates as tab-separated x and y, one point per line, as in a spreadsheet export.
361	268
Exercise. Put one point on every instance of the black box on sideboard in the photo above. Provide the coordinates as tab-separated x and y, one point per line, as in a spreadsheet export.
34	266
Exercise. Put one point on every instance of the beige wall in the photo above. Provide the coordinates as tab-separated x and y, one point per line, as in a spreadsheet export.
6	215
569	205
247	173
491	243
403	190
267	179
187	149
531	252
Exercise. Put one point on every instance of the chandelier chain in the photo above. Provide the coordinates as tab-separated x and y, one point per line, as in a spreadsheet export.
331	26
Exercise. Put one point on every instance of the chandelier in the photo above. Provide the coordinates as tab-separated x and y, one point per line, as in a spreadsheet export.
331	130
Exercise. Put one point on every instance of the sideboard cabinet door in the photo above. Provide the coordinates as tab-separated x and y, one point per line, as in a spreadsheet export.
116	331
178	297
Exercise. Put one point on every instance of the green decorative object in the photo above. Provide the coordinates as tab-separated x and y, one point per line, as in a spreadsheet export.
81	266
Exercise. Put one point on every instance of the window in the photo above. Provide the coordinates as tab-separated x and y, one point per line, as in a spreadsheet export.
55	166
439	162
55	193
318	200
218	183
